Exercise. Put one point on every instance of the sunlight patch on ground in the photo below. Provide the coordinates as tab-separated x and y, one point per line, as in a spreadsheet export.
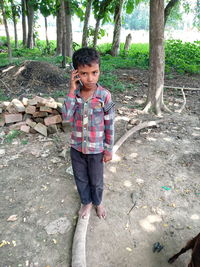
168	139
151	138
195	217
133	155
113	169
140	101
116	158
147	223
127	183
195	134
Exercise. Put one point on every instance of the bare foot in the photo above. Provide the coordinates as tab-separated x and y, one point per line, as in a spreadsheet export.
85	210
101	212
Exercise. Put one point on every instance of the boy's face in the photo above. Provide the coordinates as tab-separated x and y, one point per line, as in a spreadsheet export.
89	75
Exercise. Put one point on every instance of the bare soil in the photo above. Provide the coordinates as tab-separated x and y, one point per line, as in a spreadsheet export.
152	186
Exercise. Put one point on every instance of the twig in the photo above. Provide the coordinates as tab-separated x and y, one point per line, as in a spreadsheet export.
133	130
4	84
132	208
184	102
179	88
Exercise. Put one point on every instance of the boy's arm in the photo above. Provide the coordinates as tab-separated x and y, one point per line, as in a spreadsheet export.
69	104
109	128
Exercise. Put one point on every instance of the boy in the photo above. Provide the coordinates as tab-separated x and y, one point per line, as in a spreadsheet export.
90	110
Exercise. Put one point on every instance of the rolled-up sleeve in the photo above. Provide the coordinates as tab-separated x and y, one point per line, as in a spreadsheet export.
68	108
109	123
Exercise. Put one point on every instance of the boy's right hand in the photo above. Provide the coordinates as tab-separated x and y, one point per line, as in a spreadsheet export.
73	81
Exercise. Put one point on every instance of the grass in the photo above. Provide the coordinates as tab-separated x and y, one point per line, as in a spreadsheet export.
11	136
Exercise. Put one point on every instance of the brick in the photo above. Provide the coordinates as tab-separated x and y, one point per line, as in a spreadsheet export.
41	120
9	118
61	100
32	102
40	100
2	120
5	104
30	109
41	128
30	123
51	129
59	107
51	104
17	126
55	112
18	105
25	128
25	101
40	114
11	109
52	120
46	109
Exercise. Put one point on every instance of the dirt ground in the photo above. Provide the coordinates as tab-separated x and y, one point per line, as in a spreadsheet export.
152	188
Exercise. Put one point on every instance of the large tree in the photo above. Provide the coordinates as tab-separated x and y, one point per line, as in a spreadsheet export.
86	23
156	67
117	27
2	6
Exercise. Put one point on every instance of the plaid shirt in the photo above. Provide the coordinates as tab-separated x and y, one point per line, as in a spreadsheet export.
92	121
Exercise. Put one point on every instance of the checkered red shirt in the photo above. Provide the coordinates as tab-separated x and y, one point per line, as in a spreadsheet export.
92	121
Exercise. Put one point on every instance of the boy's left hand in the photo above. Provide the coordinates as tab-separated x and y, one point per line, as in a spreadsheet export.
107	156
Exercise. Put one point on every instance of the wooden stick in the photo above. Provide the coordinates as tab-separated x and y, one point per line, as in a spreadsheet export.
179	88
133	130
78	247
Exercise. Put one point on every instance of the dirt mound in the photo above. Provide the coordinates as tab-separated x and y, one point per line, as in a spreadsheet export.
32	74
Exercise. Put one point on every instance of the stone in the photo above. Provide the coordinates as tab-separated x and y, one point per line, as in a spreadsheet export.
40	114
25	101
46	109
40	100
41	128
10	118
17	125
59	226
30	123
2	120
30	109
52	120
25	128
18	105
11	109
32	102
51	104
51	129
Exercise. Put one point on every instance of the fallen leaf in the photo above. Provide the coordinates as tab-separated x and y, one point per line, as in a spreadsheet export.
12	218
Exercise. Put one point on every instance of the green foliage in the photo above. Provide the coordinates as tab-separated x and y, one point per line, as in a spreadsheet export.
183	57
3	97
12	135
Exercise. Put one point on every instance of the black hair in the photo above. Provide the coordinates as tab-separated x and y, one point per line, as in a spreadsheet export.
85	56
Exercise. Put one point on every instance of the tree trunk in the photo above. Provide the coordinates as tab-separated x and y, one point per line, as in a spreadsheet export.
96	32
86	23
156	68
6	29
14	22
30	11
59	29
169	8
62	6
46	33
117	28
68	26
24	32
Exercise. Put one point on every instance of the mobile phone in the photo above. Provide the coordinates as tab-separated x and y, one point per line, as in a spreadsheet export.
72	68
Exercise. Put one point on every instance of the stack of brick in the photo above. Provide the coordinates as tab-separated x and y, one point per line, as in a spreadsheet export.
42	115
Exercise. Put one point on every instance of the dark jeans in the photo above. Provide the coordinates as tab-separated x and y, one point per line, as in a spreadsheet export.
88	174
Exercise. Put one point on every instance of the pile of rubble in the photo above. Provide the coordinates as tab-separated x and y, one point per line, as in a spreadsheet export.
42	115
